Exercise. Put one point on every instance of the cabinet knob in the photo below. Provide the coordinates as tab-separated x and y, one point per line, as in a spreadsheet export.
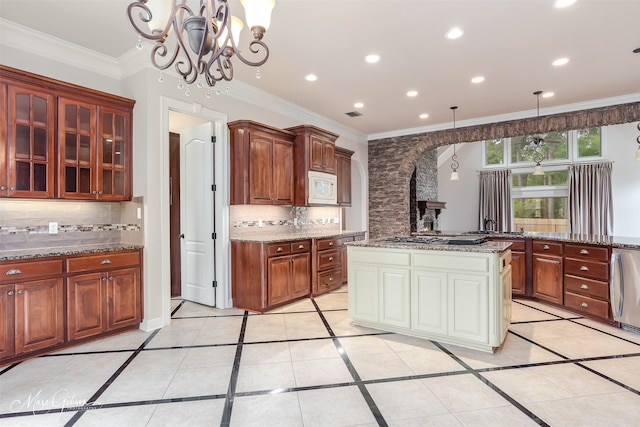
279	249
546	247
100	192
94	192
105	261
584	268
110	277
584	304
331	279
330	258
13	188
21	291
301	247
13	271
10	293
584	252
3	187
583	286
104	279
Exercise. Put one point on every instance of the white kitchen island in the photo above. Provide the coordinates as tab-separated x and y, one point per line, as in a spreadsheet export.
457	294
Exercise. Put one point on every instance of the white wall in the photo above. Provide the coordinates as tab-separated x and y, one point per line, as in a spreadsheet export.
462	196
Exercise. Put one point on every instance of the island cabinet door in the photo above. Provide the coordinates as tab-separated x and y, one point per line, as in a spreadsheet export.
363	290
395	288
429	302
469	307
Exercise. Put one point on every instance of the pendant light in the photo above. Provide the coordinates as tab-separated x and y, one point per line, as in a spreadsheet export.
454	165
638	150
537	140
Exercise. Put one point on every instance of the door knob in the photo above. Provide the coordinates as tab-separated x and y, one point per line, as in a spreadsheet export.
181	236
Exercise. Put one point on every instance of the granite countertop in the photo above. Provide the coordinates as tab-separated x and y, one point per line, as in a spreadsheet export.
588	239
283	235
21	254
486	247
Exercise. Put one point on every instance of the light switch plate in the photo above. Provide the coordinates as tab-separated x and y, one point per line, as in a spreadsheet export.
53	228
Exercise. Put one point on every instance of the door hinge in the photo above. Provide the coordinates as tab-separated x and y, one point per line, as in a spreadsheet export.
213	139
215	283
214	236
214	187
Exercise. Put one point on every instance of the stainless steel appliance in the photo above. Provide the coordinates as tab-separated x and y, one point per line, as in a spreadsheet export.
625	288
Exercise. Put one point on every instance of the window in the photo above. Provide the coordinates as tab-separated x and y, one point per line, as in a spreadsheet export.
540	201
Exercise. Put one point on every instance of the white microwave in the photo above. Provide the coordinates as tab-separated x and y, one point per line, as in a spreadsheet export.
323	188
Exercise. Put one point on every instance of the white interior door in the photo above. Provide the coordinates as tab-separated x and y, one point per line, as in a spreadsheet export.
197	222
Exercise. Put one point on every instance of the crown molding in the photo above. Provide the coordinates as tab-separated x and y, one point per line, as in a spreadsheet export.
579	106
44	45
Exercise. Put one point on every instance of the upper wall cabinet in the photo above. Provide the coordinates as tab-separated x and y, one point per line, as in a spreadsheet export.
27	137
261	164
343	173
90	156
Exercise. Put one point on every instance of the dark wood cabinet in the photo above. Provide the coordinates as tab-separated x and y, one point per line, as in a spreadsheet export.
105	296
261	164
343	173
7	321
315	150
90	156
27	141
586	279
266	275
328	265
548	271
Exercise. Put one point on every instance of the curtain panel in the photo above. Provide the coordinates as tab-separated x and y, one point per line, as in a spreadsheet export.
590	201
495	200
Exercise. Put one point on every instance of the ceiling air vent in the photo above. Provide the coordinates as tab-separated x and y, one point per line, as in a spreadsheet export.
353	113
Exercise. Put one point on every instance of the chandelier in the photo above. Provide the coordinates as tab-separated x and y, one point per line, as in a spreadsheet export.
200	41
537	140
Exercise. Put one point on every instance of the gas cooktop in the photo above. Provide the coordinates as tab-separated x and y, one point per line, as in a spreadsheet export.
453	240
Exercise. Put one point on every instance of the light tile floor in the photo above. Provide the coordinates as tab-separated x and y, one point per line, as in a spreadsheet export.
306	364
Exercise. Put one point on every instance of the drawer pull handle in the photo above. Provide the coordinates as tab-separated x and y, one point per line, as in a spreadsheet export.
584	252
584	304
546	247
279	249
13	271
330	243
10	293
105	261
301	247
583	286
584	268
330	258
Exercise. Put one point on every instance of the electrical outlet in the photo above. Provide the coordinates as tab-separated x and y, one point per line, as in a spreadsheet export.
260	223
139	213
53	228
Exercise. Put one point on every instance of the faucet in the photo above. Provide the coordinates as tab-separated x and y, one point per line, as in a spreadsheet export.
487	222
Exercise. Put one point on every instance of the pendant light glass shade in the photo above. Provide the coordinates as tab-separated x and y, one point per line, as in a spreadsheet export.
538	170
454	176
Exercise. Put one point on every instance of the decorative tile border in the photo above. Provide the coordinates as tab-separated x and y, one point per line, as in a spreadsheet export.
82	228
291	223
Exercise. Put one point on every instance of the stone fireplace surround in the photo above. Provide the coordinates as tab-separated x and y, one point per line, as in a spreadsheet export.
392	161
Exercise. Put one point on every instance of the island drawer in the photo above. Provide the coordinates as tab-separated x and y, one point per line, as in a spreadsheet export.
593	253
546	247
107	260
331	243
596	270
18	271
587	305
329	259
328	280
589	287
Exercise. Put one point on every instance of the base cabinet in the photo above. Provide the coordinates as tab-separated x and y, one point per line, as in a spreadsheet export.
547	271
453	297
39	315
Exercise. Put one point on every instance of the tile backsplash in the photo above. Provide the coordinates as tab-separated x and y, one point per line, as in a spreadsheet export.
25	223
277	218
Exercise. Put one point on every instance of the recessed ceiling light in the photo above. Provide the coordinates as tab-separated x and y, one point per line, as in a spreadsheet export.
412	93
548	94
424	116
373	58
454	33
311	77
559	4
560	61
358	105
477	79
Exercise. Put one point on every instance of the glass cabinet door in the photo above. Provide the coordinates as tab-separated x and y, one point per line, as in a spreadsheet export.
76	138
30	143
113	155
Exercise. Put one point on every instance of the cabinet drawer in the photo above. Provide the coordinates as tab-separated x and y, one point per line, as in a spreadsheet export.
545	247
324	244
328	280
595	270
592	253
329	260
108	260
587	305
516	245
275	249
301	246
18	271
588	287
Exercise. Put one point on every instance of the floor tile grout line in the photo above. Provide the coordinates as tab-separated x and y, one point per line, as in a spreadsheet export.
608	378
233	380
538	309
604	332
492	386
177	308
377	414
110	381
539	345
